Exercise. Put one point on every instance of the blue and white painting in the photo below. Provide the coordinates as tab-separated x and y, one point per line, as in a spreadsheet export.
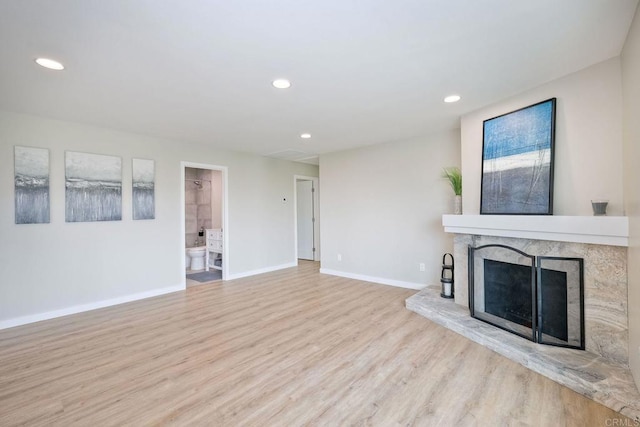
93	187
31	178
517	161
143	174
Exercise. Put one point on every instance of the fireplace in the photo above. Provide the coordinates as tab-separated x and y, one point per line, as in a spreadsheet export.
540	298
601	244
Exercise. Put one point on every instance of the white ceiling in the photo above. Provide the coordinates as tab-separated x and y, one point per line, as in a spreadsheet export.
363	71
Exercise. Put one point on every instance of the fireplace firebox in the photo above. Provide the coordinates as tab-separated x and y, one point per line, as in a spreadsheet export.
540	298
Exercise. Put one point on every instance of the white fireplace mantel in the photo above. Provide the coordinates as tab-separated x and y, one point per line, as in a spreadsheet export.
600	230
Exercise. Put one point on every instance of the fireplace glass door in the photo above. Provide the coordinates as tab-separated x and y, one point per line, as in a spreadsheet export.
560	301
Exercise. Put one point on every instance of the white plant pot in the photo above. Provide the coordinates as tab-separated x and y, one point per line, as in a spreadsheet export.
457	205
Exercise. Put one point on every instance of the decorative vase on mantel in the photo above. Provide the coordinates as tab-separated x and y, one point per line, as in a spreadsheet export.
457	205
454	176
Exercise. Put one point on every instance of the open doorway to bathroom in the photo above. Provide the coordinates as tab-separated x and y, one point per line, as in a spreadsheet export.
204	201
307	218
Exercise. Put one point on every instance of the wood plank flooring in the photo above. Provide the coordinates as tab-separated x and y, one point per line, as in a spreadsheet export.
288	348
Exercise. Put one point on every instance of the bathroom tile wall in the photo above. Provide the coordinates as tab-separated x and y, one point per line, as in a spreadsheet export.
203	199
197	203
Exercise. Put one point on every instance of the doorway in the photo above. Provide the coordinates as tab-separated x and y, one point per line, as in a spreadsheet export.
307	219
204	231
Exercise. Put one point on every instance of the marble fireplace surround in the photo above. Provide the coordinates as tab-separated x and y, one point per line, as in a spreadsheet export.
601	372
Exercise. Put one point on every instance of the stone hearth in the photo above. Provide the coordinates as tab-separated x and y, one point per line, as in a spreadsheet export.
593	376
601	372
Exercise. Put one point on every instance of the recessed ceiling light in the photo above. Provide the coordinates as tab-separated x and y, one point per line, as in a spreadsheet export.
305	135
452	98
50	64
281	83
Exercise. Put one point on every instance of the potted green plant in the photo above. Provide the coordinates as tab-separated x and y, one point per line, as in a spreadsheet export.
454	176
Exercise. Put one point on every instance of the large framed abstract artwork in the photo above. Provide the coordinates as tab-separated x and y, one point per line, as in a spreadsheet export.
93	187
517	161
31	180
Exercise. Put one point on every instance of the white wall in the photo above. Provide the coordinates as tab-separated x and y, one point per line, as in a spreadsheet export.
382	207
588	144
59	266
631	102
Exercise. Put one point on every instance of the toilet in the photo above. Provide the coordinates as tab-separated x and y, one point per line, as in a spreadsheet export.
196	256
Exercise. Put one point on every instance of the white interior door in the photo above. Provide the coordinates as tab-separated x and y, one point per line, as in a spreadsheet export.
304	209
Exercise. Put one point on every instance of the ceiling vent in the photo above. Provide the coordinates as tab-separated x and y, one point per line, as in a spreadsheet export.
295	156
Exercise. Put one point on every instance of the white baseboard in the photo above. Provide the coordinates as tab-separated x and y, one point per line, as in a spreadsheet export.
380	280
261	270
23	320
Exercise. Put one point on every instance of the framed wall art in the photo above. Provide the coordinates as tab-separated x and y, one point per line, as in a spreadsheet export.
517	161
93	187
31	180
143	193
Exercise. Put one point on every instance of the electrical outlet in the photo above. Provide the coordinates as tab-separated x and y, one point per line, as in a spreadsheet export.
422	266
339	257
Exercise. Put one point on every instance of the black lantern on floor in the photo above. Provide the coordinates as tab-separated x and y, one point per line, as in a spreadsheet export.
446	277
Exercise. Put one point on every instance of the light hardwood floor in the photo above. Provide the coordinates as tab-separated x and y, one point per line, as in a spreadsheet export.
287	348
